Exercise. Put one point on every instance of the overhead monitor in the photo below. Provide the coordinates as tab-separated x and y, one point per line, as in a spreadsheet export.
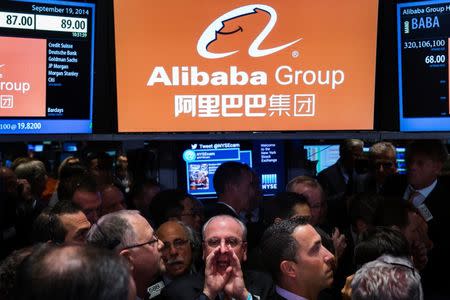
324	155
46	66
201	160
423	50
197	66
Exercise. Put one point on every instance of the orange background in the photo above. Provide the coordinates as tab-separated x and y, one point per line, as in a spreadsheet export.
25	61
337	35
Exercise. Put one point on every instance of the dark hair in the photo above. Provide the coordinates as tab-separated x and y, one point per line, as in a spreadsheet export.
71	169
346	146
137	190
278	244
104	161
433	149
166	204
47	227
113	229
226	173
378	241
68	187
282	205
363	206
50	273
8	272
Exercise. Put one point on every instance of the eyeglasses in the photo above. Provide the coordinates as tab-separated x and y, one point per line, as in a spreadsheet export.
229	241
154	239
402	265
177	244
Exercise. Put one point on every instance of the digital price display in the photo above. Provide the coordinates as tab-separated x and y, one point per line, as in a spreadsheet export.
46	66
423	52
266	158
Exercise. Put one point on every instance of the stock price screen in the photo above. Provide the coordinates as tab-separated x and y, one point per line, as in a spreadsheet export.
46	67
423	38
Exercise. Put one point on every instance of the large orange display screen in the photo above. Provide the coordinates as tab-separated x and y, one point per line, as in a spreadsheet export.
220	65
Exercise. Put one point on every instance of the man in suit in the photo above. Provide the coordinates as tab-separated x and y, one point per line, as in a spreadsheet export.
300	265
338	180
429	193
224	250
129	234
235	186
382	163
177	252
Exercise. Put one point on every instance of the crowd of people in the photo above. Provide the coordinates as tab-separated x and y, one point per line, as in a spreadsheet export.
354	231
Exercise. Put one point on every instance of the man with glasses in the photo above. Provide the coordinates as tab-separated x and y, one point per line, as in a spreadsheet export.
129	234
177	252
224	250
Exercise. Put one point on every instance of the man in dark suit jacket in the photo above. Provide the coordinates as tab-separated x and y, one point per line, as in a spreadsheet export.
382	164
235	186
224	249
300	265
429	193
337	180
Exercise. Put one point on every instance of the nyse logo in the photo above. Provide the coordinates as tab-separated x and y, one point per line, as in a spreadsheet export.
211	33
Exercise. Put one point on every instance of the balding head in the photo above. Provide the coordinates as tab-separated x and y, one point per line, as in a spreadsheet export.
73	272
129	234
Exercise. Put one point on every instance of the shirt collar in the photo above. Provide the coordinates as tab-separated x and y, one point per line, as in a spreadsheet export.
425	191
288	295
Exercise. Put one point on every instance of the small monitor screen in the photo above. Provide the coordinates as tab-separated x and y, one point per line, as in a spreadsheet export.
202	160
324	155
70	147
46	66
35	148
423	30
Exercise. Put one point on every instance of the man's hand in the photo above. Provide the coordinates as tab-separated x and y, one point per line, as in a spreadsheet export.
235	287
214	280
347	289
419	254
339	243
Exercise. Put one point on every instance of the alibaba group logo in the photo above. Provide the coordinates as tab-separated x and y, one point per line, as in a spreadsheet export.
210	34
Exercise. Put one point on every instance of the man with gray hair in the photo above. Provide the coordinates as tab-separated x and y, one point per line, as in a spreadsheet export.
129	234
387	278
33	172
36	175
178	252
382	163
224	250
